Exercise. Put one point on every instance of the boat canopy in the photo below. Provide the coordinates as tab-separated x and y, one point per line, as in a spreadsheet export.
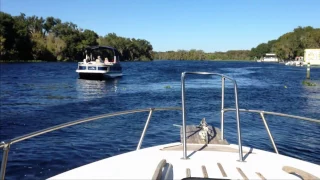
102	54
91	48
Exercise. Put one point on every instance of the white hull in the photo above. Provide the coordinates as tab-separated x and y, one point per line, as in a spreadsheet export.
99	75
105	73
90	71
141	164
294	63
270	60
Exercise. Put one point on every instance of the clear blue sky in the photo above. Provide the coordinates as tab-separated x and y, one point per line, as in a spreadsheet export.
210	25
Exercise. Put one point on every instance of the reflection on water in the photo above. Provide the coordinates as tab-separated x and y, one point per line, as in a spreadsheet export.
312	95
191	83
90	89
234	72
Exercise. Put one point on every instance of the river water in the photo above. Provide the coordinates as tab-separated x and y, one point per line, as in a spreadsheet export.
39	95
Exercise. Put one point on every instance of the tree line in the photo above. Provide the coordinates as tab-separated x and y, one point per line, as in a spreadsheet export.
50	39
287	46
291	44
194	54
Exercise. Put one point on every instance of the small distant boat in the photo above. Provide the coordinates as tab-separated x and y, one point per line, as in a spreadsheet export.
101	62
294	63
297	62
289	63
270	57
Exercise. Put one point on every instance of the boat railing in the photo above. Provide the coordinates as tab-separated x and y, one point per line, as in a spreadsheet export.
184	117
236	109
262	115
5	145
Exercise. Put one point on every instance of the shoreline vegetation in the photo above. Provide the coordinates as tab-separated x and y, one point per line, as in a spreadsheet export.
43	61
21	61
31	38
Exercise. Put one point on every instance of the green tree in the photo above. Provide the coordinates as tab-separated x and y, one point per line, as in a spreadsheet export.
291	44
50	23
89	38
22	44
8	34
130	49
56	46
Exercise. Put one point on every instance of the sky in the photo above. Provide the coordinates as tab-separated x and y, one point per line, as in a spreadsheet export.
209	25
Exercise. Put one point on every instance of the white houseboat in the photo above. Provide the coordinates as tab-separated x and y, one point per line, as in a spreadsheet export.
270	57
101	62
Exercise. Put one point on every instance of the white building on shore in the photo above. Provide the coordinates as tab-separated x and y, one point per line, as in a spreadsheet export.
312	56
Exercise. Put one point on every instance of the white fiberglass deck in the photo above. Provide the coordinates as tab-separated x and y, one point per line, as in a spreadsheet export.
141	164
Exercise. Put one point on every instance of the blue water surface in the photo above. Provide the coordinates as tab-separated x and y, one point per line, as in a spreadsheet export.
39	95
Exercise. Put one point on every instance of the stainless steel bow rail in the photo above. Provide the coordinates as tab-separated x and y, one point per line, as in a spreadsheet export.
6	144
262	113
223	78
223	110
